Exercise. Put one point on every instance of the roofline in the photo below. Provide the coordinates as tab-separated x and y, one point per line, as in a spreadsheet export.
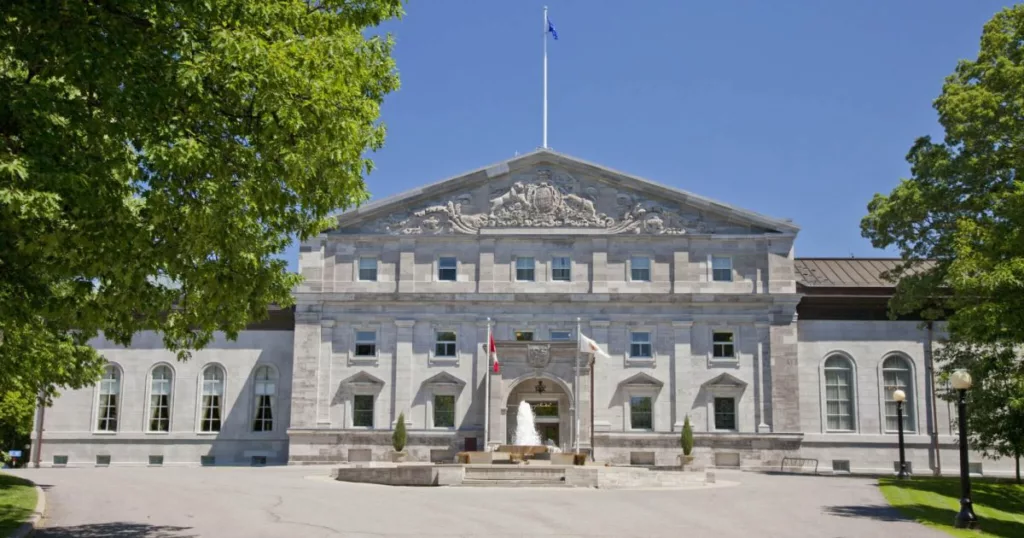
502	167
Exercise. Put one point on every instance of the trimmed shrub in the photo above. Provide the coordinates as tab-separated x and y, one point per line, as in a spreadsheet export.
686	440
398	437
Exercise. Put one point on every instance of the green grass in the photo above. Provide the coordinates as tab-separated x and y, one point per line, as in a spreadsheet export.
17	502
934	502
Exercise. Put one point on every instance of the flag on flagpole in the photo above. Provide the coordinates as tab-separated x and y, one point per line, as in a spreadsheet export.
589	346
492	352
552	31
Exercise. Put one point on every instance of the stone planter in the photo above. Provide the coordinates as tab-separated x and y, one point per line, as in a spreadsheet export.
686	461
399	457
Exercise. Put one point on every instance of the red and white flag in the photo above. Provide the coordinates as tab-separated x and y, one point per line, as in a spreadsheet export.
492	352
589	346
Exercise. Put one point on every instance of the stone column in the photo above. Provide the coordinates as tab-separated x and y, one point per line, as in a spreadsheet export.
599	267
406	265
305	362
681	281
762	377
403	390
785	375
485	269
584	402
323	374
602	390
681	385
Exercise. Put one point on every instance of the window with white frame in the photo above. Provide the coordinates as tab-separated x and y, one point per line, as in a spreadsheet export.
640	345
366	343
447	269
523	336
561	335
725	413
721	268
525	269
641	413
362	410
723	345
898	375
561	269
265	392
161	380
212	404
368	269
839	404
640	269
110	395
445	343
444	411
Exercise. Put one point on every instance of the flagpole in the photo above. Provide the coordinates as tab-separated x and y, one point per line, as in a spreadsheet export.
544	36
576	389
487	389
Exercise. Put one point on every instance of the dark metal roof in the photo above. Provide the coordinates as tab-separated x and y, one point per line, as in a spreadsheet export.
844	272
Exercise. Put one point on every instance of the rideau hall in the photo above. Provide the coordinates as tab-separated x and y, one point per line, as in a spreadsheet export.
701	311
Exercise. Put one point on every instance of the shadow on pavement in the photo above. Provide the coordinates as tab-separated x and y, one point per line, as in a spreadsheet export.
880	512
115	530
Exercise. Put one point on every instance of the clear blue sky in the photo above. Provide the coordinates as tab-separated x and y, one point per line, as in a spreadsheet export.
795	109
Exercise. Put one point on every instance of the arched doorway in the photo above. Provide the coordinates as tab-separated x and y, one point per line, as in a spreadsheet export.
551	402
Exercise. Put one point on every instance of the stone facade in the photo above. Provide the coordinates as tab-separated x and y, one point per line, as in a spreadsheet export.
699	306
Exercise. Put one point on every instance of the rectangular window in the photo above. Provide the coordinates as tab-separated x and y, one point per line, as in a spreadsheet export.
838	397
160	406
561	335
366	343
447	269
444	411
445	344
640	417
524	336
561	269
725	413
722	345
525	269
264	421
362	411
368	269
721	268
640	269
640	345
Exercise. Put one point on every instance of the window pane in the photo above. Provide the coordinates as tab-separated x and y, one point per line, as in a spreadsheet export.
366	343
561	335
444	411
896	375
524	269
722	345
561	269
721	268
640	269
524	336
445	344
640	344
839	407
447	269
725	414
110	390
640	413
362	411
368	269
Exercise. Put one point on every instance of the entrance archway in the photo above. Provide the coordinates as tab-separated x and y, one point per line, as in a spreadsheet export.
551	401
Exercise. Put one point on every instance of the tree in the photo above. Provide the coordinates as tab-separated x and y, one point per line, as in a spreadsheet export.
398	437
16	410
958	223
156	156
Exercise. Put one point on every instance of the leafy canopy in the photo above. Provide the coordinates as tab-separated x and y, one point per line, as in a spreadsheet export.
958	223
155	156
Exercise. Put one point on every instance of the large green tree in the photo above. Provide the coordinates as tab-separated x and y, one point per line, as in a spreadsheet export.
958	223
149	142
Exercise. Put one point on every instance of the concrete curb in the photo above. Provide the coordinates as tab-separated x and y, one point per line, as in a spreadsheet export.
29	527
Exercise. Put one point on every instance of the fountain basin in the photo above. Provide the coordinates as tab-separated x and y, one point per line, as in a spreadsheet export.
525	451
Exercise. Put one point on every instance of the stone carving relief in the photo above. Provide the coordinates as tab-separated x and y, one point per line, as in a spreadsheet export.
546	202
538	356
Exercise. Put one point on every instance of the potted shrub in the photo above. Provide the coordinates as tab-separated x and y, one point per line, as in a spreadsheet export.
398	439
686	442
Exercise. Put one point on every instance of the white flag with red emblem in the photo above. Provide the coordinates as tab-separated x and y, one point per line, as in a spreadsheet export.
589	346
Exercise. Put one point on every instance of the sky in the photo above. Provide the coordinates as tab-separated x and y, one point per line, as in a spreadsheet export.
799	109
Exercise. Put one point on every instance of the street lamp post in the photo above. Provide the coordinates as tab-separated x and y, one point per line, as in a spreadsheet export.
965	519
901	397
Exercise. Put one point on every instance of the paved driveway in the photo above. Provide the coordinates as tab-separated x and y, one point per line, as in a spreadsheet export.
301	502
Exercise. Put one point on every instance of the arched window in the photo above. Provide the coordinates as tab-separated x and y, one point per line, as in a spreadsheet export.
213	399
110	394
840	410
160	381
897	374
265	388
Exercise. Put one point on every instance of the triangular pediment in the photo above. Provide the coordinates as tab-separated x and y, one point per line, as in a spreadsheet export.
554	192
362	379
642	380
444	379
725	381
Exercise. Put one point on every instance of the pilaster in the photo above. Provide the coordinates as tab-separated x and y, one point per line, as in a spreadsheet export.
403	390
681	378
602	390
406	266
762	377
680	272
485	269
323	373
599	266
305	364
784	371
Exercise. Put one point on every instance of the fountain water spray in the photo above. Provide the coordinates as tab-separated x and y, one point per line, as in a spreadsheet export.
526	432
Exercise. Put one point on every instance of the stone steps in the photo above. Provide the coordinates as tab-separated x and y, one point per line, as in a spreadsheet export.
506	483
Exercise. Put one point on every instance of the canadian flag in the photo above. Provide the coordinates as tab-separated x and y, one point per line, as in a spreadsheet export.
589	346
492	352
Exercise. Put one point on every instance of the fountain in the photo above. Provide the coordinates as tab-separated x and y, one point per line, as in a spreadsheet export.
526	430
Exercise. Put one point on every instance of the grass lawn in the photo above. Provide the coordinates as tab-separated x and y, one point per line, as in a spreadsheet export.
17	502
999	505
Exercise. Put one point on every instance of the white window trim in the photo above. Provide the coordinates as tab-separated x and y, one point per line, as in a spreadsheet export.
912	417
711	267
95	428
437	269
356	329
376	260
650	268
199	399
442	390
551	268
536	272
652	330
822	388
724	392
432	352
149	401
351	401
627	408
735	344
274	401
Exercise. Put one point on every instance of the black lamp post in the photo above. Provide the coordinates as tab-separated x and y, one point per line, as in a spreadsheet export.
965	519
901	397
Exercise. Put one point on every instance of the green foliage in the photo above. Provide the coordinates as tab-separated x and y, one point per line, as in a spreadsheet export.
958	223
398	437
686	439
16	412
156	156
934	502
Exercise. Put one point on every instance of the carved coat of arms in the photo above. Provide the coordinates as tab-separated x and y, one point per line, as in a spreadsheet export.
538	356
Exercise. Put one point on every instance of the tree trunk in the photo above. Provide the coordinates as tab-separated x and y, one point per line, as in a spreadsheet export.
1018	468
